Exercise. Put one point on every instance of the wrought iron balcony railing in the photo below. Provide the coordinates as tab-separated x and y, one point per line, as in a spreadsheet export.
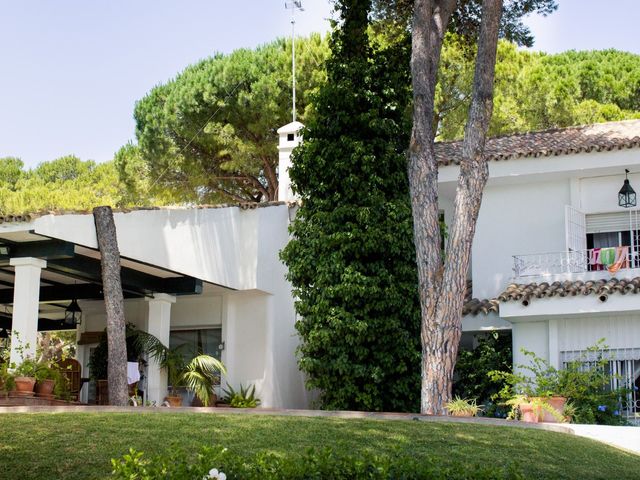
578	261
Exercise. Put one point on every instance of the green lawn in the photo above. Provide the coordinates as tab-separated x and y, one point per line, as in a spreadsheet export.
80	445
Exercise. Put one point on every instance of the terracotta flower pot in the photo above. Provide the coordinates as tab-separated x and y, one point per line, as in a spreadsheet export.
556	403
44	388
174	401
24	385
529	413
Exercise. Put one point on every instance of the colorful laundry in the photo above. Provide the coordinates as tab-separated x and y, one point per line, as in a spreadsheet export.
607	256
621	260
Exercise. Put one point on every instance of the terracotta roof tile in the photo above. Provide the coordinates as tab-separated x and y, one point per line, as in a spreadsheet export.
561	141
474	306
526	293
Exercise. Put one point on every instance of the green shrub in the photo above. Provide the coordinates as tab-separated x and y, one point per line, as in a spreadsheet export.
351	259
471	378
323	464
585	382
245	398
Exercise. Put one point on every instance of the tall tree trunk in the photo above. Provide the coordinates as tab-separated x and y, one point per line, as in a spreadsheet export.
114	304
442	286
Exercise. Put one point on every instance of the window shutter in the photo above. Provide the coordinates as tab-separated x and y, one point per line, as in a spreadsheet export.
575	229
608	222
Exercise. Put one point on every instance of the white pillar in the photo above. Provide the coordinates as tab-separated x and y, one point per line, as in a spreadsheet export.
289	138
158	324
26	298
554	349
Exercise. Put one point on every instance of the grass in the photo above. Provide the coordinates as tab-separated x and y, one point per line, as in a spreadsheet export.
80	445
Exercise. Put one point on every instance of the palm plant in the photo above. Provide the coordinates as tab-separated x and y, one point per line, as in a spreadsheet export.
199	375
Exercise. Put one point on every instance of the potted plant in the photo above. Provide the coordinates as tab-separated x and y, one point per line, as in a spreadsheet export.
24	377
45	380
174	363
539	391
199	375
462	407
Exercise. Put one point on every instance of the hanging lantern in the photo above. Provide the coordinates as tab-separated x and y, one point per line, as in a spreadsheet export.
73	314
626	195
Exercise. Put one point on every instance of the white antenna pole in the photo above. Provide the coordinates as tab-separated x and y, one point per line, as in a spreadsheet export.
294	5
293	60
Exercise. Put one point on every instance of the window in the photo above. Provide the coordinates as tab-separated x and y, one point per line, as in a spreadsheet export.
196	342
617	229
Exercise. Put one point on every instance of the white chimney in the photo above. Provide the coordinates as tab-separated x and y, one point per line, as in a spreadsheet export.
290	138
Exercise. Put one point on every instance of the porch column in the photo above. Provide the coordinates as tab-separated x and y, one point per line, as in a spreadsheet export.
158	324
26	298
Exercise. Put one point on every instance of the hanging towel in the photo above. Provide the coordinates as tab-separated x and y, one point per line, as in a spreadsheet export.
607	256
133	373
594	256
622	254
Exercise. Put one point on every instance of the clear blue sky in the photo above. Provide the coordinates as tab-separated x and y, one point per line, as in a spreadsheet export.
71	70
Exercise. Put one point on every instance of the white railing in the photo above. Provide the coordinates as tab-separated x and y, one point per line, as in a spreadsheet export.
557	263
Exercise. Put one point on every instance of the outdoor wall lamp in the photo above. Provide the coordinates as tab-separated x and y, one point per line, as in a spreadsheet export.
626	195
73	314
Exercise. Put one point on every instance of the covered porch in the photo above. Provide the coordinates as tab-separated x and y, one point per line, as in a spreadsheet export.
48	284
208	277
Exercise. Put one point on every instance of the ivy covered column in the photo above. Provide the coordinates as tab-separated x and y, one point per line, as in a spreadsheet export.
26	299
159	325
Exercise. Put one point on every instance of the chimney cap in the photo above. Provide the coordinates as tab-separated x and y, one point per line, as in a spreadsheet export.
292	127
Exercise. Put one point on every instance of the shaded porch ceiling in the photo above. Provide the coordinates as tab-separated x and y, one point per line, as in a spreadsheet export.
74	272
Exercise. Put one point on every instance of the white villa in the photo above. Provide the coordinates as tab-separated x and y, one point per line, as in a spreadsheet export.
550	209
212	277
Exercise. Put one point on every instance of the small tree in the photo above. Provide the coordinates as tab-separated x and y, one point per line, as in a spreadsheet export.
351	257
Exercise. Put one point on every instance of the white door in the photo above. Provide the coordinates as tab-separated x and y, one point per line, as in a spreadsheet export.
576	239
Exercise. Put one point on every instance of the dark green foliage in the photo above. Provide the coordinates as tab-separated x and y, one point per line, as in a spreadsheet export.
318	464
351	260
471	379
138	344
466	18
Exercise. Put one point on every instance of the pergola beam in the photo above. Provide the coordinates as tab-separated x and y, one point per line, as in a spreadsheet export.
88	269
84	291
46	250
44	324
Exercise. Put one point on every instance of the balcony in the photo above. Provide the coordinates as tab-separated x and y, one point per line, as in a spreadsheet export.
565	264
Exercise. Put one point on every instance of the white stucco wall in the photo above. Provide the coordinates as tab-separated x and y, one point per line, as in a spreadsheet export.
516	220
531	336
218	245
600	194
